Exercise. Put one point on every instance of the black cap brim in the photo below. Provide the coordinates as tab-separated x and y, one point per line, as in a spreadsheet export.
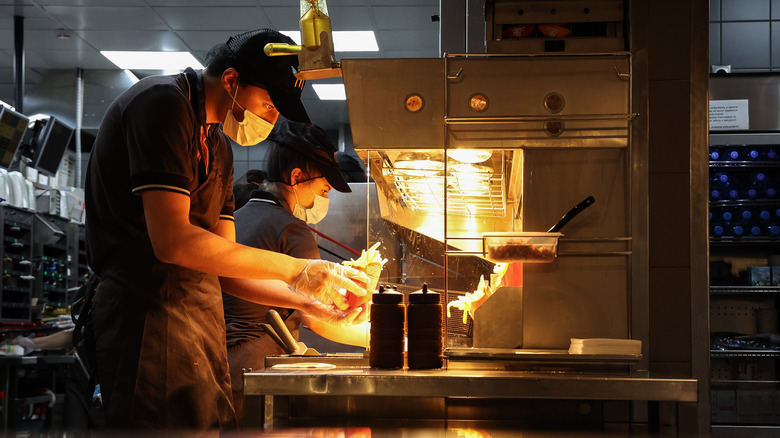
288	105
334	177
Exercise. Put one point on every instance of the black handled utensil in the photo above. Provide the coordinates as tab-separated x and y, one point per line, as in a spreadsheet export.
571	213
294	347
275	336
278	324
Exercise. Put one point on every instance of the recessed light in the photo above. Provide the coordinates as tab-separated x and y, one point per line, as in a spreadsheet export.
345	40
133	77
139	60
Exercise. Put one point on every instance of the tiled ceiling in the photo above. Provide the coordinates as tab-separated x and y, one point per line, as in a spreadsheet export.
404	29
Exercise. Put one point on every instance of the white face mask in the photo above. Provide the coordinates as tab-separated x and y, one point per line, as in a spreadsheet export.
251	131
314	214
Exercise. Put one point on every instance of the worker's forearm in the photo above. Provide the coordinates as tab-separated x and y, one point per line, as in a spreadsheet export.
357	334
268	292
63	339
208	252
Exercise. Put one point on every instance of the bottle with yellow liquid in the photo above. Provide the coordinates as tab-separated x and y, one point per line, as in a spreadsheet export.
314	21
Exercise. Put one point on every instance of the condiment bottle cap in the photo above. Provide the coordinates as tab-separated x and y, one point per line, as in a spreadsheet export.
424	296
387	297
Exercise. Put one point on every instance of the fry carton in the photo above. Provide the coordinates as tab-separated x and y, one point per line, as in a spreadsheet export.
472	300
370	262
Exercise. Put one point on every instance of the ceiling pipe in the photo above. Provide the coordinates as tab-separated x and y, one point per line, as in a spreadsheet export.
19	63
475	26
342	146
452	26
462	26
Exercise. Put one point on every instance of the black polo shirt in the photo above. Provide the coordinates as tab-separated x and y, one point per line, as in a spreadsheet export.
149	139
263	223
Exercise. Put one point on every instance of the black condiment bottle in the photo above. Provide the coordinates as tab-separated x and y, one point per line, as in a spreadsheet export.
388	317
424	330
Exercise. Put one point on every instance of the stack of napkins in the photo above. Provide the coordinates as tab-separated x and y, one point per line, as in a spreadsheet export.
605	346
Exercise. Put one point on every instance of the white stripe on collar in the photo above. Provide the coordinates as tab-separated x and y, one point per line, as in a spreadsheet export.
268	201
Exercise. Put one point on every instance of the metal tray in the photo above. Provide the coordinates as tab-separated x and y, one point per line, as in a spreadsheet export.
539	360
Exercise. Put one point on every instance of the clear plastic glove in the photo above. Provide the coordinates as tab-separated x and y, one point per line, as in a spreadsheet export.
329	282
24	342
334	315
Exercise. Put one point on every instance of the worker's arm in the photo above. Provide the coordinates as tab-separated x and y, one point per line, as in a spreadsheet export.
225	228
61	339
277	294
355	334
175	240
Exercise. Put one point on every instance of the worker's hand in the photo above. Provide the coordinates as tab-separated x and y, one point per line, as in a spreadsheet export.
329	282
25	342
362	316
333	315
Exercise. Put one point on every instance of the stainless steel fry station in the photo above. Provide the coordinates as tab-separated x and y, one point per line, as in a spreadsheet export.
481	169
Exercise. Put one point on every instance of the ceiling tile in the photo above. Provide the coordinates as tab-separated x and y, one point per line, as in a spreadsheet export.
283	18
65	59
107	18
350	18
405	17
7	39
213	18
332	3
133	40
202	42
421	40
406	2
89	3
47	40
212	3
30	14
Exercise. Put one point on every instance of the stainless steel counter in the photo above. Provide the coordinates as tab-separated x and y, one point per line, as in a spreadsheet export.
355	382
460	383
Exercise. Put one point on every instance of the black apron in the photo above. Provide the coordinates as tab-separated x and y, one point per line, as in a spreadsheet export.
160	335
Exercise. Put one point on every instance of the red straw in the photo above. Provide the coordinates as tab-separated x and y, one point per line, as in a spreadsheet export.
337	243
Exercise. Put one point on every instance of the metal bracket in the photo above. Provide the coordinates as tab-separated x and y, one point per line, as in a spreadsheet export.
622	75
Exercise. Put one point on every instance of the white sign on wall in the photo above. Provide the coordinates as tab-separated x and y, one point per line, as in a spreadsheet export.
729	115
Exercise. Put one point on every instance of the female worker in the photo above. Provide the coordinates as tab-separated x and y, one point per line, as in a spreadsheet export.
302	169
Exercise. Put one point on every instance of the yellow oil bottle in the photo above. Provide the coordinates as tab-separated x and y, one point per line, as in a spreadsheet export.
314	21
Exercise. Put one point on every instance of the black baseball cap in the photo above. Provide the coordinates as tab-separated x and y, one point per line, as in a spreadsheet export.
276	74
311	142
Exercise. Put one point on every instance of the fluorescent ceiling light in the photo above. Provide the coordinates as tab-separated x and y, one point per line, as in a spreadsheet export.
345	40
355	41
133	60
132	77
330	91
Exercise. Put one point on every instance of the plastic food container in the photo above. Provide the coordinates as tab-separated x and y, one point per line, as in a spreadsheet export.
526	247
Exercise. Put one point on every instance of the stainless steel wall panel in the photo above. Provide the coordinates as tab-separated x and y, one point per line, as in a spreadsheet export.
761	91
575	297
376	93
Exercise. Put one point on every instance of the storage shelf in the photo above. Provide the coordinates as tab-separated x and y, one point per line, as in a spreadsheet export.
739	430
744	353
744	290
744	241
16	289
746	203
747	383
747	164
15	305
